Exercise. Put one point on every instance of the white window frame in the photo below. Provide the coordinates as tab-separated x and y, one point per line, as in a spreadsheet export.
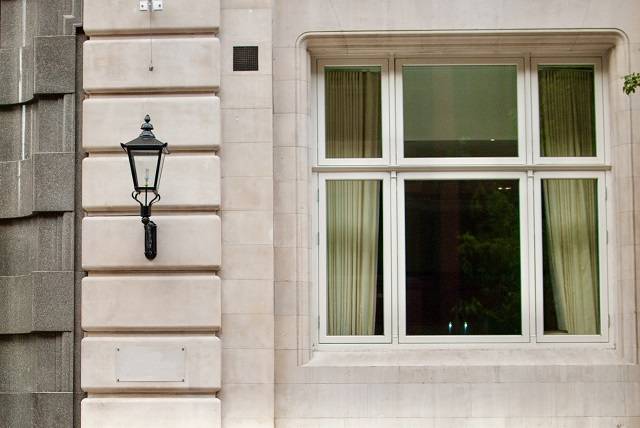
383	63
599	111
521	103
602	258
529	168
386	256
524	251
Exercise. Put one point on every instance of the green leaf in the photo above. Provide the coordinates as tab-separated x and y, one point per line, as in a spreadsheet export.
631	82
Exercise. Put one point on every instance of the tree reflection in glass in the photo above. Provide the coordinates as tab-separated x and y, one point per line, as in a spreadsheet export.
462	257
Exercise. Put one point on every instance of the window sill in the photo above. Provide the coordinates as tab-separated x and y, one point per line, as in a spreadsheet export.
456	355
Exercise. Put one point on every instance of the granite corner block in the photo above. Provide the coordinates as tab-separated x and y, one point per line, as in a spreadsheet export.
53	181
16	306
40	301
53	300
16	192
52	410
16	75
54	64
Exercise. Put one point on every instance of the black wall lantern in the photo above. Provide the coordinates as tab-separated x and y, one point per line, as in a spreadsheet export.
146	155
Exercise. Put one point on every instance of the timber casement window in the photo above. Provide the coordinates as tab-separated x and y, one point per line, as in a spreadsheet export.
461	200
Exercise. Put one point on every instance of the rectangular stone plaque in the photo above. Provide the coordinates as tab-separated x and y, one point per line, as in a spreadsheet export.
150	363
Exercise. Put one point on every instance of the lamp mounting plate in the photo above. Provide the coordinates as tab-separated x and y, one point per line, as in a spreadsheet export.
155	5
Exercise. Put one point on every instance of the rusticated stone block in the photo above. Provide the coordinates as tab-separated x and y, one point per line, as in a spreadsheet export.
43	183
55	64
179	64
52	301
157	412
124	17
36	409
35	362
150	364
36	302
36	244
54	128
186	123
16	192
151	303
188	182
185	242
16	75
53	181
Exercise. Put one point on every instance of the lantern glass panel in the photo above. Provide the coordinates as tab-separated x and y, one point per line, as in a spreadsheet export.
160	165
146	165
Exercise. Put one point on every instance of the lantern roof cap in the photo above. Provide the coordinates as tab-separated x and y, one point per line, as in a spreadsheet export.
146	139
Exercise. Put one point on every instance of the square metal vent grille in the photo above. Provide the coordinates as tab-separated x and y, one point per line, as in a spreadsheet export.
245	58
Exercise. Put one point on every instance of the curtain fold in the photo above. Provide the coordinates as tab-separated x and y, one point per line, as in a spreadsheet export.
570	205
353	130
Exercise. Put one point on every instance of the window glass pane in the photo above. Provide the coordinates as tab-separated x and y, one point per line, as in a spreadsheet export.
462	257
354	258
460	111
353	112
570	256
567	110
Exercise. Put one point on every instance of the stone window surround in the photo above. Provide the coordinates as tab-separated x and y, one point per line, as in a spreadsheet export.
613	46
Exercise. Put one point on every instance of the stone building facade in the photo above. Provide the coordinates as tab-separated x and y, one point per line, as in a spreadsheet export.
228	325
40	103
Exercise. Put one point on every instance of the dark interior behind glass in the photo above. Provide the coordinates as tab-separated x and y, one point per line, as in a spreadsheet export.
462	257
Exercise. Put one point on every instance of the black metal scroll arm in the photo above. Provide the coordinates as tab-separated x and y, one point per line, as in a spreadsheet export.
150	228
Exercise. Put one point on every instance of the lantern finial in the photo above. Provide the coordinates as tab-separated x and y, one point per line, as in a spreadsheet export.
147	127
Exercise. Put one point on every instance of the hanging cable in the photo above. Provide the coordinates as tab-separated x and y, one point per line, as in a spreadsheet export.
150	38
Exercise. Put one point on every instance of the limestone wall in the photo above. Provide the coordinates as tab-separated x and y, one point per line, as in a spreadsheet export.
447	386
151	355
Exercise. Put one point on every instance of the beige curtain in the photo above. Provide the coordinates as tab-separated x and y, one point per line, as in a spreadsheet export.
567	125
572	246
352	131
352	255
352	114
566	128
